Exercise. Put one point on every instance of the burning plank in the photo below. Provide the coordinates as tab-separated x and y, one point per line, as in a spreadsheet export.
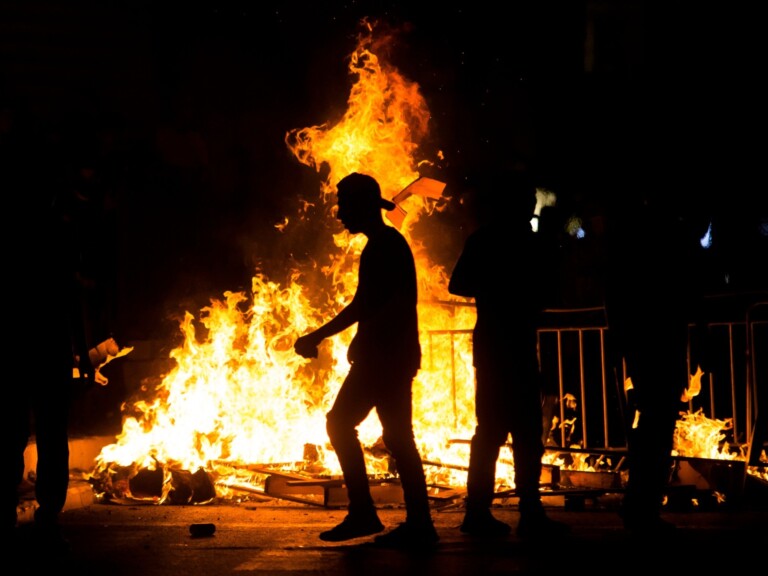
425	187
294	487
600	480
328	492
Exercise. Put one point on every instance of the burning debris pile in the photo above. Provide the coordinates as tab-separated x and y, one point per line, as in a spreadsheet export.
697	436
241	413
700	437
239	404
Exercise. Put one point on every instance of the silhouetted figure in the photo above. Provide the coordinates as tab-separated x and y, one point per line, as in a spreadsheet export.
652	294
385	355
503	267
551	230
46	334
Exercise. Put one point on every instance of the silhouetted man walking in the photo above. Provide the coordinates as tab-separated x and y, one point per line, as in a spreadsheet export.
385	355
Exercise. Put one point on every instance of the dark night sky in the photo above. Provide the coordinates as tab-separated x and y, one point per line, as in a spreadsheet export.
198	97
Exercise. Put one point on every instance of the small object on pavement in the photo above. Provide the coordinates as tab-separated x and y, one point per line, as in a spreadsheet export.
202	530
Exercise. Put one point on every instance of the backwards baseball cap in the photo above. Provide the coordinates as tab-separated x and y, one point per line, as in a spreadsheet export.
364	189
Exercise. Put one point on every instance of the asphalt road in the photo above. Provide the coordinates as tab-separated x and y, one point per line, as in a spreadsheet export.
274	537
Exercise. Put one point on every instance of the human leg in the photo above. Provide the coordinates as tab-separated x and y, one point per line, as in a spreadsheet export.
528	449
351	407
395	412
481	479
52	474
659	375
490	434
14	440
51	401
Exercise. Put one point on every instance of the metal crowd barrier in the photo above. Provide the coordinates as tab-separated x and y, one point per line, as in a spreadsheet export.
584	392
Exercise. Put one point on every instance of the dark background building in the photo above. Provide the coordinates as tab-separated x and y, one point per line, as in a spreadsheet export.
180	110
183	108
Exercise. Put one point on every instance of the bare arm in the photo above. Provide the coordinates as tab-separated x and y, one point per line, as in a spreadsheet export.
306	345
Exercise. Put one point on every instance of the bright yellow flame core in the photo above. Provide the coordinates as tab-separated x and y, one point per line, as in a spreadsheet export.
698	436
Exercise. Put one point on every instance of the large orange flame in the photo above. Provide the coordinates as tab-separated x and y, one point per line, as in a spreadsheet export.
239	400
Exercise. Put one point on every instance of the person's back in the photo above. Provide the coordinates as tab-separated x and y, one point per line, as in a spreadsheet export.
651	297
508	293
500	267
652	292
48	332
503	267
652	251
388	329
384	356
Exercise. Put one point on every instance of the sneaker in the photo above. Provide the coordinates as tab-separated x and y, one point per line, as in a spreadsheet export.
353	526
409	536
540	526
484	525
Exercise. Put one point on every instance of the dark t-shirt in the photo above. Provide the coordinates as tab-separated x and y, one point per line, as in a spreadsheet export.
503	269
387	334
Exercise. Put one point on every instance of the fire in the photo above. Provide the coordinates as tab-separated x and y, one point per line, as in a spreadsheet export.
701	437
239	399
380	132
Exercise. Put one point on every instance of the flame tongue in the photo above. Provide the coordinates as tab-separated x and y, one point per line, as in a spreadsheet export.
700	437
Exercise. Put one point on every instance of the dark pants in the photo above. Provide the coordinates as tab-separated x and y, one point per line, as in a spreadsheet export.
656	361
39	405
507	402
390	393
